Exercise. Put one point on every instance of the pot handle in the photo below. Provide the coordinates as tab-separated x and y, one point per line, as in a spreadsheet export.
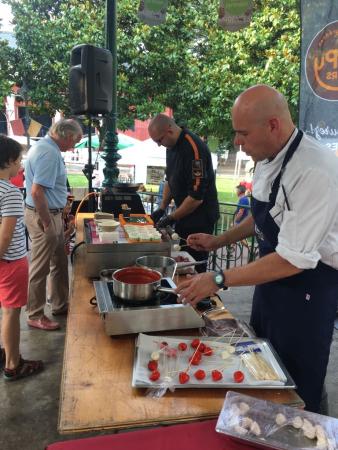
167	290
189	263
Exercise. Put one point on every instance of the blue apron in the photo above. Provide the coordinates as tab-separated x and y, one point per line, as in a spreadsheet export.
296	313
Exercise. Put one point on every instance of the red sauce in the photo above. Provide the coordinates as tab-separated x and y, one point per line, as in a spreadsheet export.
136	275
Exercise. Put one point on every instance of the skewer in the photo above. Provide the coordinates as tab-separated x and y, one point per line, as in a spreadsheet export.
258	366
191	358
178	247
176	237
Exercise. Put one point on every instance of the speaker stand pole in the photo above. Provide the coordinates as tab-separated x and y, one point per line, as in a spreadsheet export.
110	154
88	170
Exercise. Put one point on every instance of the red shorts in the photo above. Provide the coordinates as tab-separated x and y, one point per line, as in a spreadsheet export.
13	283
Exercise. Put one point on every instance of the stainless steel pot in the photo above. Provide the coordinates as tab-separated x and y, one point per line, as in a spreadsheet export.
107	274
137	284
163	264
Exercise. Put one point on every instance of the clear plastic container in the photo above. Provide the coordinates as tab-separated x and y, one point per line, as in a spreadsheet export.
270	425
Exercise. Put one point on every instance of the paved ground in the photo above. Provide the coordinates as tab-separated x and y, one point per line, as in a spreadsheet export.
29	408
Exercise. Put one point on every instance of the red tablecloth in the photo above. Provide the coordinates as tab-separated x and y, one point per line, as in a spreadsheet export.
196	436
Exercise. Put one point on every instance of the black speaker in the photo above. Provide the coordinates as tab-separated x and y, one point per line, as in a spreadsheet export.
90	80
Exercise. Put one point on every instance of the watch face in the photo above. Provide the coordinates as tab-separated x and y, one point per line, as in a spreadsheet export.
218	279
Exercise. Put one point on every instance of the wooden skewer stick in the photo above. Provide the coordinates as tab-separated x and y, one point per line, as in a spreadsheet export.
190	362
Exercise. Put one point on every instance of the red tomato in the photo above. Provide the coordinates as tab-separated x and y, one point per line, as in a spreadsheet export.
183	377
195	359
238	376
199	374
152	365
182	346
216	375
208	351
202	347
155	375
195	343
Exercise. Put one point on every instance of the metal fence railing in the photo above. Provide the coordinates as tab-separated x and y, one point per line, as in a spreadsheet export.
233	255
229	256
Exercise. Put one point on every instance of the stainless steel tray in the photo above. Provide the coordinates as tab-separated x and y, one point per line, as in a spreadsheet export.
169	368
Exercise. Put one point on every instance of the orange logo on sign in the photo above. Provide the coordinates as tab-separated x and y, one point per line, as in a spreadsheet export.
322	63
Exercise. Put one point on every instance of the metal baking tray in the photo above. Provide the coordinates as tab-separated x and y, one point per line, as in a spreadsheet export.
146	344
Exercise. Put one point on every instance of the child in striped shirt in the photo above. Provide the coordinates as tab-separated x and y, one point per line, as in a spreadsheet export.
13	264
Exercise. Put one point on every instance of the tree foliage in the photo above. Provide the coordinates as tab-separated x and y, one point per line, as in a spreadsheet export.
187	63
7	60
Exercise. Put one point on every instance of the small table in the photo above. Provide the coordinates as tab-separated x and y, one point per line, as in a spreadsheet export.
96	391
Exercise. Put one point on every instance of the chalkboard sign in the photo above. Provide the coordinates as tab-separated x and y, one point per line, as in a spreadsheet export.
155	174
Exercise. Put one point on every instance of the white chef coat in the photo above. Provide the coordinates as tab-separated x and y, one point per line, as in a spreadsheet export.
309	230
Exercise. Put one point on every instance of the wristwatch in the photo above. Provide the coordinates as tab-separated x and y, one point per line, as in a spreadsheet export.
219	279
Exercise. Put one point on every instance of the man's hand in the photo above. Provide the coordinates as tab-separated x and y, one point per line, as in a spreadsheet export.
202	242
165	221
196	288
157	214
68	232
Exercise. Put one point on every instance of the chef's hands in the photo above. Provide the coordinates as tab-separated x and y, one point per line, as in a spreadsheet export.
157	214
202	241
165	221
196	288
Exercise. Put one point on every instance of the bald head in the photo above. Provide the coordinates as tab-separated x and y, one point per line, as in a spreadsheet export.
263	102
261	112
164	131
160	122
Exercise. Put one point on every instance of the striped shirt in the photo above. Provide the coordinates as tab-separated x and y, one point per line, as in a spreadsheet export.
11	205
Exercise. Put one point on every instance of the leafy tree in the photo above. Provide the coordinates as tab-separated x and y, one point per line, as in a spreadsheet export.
265	52
7	57
44	40
188	63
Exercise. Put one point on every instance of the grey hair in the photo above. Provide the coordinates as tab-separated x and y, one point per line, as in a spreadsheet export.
65	128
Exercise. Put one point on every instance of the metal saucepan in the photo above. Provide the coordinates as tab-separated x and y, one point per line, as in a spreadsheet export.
107	274
163	264
137	284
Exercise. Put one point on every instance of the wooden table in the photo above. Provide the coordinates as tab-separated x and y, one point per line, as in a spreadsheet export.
96	390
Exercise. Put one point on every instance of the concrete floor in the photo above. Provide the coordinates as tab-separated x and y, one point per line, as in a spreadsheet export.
29	408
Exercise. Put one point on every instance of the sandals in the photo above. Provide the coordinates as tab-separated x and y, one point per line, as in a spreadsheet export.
24	369
2	358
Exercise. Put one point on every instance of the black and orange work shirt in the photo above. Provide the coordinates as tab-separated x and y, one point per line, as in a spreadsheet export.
189	172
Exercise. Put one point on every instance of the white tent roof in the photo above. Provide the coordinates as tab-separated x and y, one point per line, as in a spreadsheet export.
146	153
150	153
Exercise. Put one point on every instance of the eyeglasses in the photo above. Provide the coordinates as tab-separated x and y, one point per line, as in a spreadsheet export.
160	140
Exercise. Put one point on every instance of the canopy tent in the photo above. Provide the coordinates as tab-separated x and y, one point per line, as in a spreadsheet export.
141	156
124	141
240	156
145	154
79	155
23	140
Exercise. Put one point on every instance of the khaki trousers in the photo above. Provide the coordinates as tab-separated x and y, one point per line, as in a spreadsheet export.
48	257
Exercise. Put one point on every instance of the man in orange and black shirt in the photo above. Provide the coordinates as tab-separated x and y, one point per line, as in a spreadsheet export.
190	181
